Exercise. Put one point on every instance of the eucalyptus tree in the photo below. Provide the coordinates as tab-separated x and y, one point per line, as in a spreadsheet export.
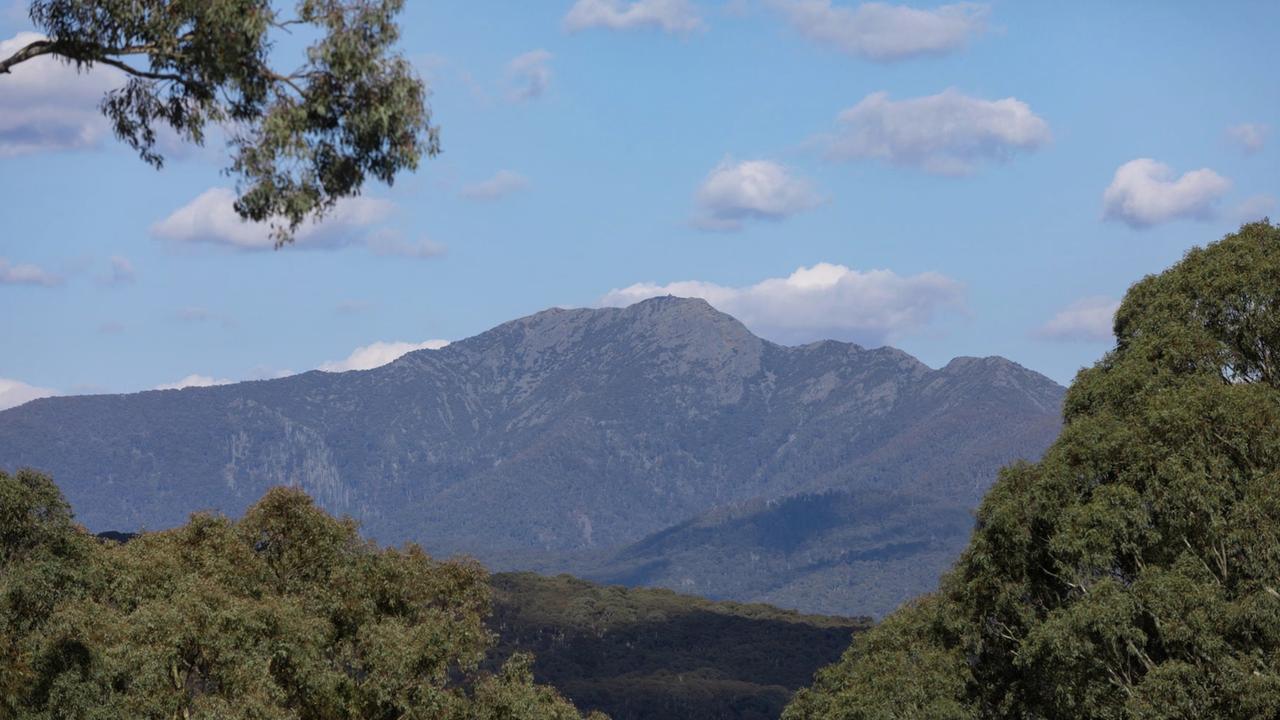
299	139
285	613
1134	572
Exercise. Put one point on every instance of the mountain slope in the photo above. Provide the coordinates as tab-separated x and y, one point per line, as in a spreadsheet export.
821	552
565	435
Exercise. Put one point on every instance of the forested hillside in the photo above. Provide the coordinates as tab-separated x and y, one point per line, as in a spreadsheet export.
647	653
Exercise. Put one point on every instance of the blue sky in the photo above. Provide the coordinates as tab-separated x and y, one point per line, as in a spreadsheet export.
972	179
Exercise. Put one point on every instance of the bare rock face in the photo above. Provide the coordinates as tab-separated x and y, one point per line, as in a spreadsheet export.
561	440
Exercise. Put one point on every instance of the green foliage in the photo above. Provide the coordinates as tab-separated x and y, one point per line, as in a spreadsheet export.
651	653
301	140
286	613
1135	571
898	670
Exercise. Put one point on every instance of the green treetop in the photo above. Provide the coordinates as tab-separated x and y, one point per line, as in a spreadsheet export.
286	613
1134	572
300	140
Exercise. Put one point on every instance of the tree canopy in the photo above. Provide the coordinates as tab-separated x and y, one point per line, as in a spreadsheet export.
300	140
1134	572
285	613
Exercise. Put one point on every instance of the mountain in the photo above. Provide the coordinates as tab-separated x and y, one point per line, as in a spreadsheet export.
621	441
825	552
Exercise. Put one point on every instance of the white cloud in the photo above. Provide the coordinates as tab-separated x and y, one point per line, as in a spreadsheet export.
211	218
1254	208
753	189
529	75
194	381
672	16
883	32
378	354
121	272
1249	137
947	134
1089	319
391	243
14	393
503	183
1145	193
820	302
46	105
26	274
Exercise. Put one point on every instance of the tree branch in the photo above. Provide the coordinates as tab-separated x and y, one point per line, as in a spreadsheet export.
140	73
284	79
32	50
99	54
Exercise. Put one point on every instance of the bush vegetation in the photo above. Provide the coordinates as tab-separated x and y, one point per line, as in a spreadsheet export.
285	613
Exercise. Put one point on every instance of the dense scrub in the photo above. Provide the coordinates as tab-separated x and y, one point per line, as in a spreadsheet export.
1135	571
652	653
285	613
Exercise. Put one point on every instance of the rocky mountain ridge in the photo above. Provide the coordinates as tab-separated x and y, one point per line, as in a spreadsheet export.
557	440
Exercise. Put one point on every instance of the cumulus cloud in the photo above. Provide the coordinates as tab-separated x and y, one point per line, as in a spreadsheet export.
503	183
26	274
528	75
211	218
15	392
947	134
750	190
883	32
1145	193
377	354
1249	137
672	16
47	105
1089	319
824	301
194	380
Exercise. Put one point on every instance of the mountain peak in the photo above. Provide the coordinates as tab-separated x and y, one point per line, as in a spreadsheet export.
568	431
998	372
680	304
688	327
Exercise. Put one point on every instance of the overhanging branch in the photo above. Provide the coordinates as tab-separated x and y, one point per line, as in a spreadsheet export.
146	74
31	50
